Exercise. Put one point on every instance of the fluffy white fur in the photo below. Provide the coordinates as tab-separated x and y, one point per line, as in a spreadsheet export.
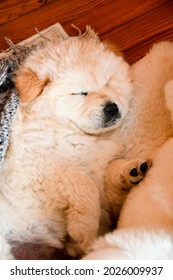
133	244
145	227
52	179
5	250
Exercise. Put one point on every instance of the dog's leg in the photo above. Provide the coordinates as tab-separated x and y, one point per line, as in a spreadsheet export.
121	175
83	209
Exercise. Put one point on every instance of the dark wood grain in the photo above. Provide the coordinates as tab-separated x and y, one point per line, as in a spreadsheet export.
56	11
10	10
139	50
133	25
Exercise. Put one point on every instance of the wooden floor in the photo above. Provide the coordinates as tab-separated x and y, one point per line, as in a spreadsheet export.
134	25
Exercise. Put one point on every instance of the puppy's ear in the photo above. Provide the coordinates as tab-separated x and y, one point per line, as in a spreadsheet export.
112	47
29	84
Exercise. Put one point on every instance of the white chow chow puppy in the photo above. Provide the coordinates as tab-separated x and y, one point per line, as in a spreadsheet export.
145	226
74	94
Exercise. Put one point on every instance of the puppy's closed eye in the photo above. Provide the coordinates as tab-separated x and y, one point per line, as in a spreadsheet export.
80	93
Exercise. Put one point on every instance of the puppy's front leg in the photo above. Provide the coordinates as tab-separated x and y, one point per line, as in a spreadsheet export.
121	175
83	212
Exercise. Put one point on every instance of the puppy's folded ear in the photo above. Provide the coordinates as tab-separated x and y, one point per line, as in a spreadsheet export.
28	84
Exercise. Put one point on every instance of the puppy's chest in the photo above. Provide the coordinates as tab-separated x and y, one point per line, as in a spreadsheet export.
88	153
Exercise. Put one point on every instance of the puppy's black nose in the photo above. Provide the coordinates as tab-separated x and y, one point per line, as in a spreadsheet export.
111	109
111	112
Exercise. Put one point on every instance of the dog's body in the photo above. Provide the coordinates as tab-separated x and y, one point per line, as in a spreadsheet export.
148	124
149	118
145	227
155	194
61	141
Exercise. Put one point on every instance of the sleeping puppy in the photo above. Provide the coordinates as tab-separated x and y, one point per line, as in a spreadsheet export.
74	95
145	227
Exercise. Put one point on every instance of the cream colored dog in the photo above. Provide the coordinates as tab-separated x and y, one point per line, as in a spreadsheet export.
74	97
145	227
148	123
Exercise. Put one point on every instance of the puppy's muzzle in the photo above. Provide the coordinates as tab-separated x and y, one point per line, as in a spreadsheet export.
111	113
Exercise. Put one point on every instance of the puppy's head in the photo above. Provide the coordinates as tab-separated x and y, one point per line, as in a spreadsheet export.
85	82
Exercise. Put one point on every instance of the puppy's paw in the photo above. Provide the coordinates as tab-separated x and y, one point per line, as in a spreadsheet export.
135	172
82	226
80	240
122	175
72	248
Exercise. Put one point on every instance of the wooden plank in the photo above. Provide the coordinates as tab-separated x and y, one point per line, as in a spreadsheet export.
11	9
139	50
136	33
155	21
45	16
116	14
103	15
